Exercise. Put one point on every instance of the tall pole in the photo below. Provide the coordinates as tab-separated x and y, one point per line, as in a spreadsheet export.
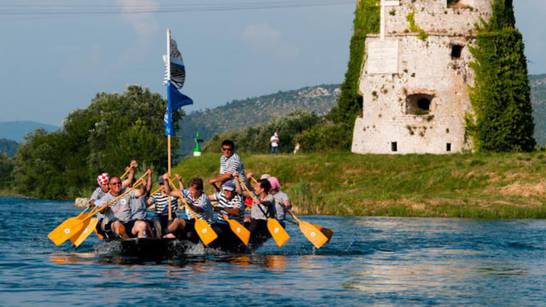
169	110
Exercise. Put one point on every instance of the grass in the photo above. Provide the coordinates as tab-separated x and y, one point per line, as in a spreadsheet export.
464	185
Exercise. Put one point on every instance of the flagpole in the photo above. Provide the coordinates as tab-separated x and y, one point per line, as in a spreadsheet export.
169	135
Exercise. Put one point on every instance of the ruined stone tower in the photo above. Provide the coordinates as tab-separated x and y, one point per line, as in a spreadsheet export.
416	75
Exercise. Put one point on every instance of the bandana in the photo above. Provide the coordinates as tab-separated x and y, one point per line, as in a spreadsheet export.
103	178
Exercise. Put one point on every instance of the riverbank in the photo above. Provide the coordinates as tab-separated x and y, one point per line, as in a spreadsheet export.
464	185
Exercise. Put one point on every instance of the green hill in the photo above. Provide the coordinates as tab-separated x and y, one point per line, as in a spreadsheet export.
255	111
470	185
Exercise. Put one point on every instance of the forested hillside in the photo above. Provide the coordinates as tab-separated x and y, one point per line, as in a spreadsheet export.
252	112
16	130
8	147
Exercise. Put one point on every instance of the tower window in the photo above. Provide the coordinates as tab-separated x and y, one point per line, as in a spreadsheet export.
418	104
456	51
394	146
448	147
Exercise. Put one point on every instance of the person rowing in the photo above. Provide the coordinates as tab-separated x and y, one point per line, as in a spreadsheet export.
160	200
121	218
230	163
229	200
263	207
282	202
200	207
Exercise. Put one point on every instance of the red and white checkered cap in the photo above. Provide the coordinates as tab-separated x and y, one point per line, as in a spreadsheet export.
103	178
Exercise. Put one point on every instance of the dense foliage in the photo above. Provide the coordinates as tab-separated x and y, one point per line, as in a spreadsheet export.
114	129
256	139
349	104
502	119
6	171
8	147
538	97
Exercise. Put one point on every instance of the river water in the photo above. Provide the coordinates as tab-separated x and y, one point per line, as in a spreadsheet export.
386	261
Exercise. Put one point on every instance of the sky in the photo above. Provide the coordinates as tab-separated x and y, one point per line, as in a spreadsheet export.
52	64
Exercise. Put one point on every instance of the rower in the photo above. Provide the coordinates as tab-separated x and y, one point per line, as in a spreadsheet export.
229	200
230	163
120	217
262	209
282	202
198	203
160	200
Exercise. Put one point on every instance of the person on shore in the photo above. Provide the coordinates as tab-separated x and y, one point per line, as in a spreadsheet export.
282	202
121	218
274	140
230	162
262	209
229	200
160	202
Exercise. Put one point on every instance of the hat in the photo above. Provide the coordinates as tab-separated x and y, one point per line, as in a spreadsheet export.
228	186
275	184
265	176
103	178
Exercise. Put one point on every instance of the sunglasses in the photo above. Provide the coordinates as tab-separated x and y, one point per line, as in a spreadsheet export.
115	183
227	149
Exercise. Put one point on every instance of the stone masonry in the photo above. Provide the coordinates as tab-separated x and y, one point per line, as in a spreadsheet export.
414	85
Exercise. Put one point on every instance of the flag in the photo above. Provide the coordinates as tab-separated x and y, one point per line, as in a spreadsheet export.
175	75
175	100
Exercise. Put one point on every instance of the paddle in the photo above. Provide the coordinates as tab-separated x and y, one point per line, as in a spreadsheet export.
76	224
203	229
316	234
275	228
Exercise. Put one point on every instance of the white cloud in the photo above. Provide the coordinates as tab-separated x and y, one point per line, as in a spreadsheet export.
266	39
144	25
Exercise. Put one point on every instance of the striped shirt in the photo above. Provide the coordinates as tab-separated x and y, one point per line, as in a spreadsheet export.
160	201
235	203
201	202
231	165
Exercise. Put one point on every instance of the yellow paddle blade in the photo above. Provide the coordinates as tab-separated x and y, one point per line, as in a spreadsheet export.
325	231
66	230
205	232
86	215
277	232
87	230
313	234
239	230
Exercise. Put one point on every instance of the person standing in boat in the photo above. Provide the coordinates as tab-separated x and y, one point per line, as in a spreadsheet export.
120	218
262	209
282	202
230	163
229	200
160	202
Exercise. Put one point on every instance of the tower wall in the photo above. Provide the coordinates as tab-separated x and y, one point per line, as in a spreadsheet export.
404	71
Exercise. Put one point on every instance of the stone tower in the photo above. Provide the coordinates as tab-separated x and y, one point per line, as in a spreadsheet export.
416	75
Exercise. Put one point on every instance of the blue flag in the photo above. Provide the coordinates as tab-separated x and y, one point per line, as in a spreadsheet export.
175	101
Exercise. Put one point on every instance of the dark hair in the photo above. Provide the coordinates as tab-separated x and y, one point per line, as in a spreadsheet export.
265	185
197	183
228	142
115	177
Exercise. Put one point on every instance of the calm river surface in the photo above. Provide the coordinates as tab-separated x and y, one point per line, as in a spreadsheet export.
385	261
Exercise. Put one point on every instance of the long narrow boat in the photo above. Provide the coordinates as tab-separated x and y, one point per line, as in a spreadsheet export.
168	248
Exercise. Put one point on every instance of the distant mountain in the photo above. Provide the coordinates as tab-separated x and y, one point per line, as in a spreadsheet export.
17	130
8	147
255	111
538	97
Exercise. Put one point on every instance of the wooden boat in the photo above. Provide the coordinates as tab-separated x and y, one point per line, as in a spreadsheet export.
148	248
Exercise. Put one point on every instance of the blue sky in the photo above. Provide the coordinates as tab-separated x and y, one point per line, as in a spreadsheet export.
53	64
